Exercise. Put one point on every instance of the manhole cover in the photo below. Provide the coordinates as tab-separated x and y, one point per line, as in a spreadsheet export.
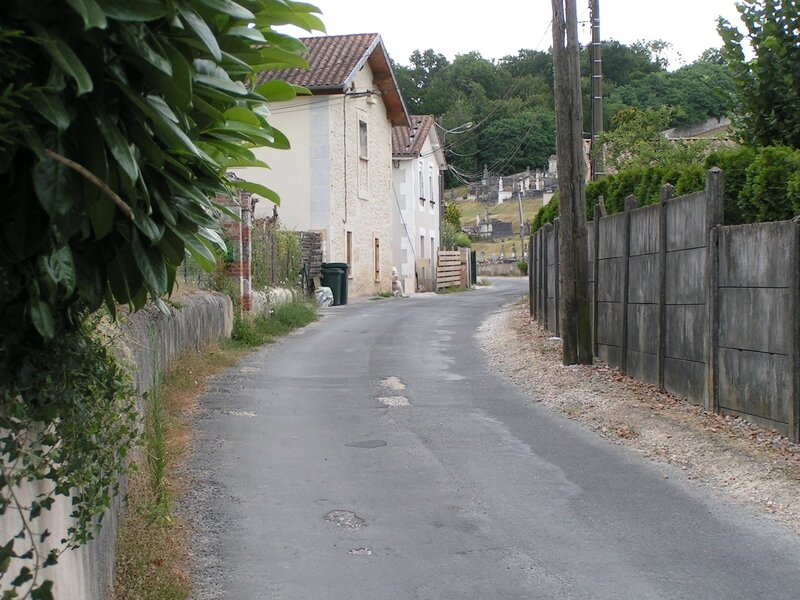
346	519
367	444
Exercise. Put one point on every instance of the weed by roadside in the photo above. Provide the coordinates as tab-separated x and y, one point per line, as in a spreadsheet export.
454	290
483	282
249	332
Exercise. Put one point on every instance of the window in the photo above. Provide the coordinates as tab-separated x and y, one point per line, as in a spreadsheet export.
349	253
433	249
421	184
377	258
363	140
431	195
363	160
422	246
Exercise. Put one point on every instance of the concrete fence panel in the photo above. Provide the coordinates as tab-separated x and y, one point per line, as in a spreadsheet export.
758	271
611	277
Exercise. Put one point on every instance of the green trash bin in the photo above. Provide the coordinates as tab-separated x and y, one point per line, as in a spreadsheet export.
332	278
343	281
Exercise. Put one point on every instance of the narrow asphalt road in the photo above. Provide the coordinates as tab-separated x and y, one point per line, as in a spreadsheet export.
320	476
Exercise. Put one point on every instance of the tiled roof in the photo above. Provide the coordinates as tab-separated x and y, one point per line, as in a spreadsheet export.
331	59
333	63
408	141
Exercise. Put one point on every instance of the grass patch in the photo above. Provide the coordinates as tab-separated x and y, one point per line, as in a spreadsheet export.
250	332
454	289
152	555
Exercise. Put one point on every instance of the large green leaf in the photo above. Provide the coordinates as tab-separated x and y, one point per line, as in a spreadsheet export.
211	74
42	318
285	42
55	186
65	58
138	11
52	108
247	33
118	145
277	91
150	264
90	12
256	188
243	115
230	8
203	32
141	43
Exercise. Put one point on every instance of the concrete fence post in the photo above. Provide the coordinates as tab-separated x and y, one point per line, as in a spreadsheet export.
542	274
630	204
667	191
794	406
530	275
595	274
546	287
557	278
714	216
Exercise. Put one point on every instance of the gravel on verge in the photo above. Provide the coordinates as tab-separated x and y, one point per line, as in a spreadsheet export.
749	464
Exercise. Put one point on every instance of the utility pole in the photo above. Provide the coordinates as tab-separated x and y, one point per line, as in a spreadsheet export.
573	243
521	218
597	92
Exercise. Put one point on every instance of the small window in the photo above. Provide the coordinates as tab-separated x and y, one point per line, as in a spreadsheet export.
422	246
377	257
421	184
363	140
363	160
431	195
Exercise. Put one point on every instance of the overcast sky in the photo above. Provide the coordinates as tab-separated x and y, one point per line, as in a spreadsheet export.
498	28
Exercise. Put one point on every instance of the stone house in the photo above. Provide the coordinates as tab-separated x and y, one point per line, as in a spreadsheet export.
337	177
418	166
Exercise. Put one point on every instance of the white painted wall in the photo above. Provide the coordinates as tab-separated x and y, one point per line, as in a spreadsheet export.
318	178
413	218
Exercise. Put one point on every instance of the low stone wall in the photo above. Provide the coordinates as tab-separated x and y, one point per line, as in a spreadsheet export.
264	300
508	269
149	341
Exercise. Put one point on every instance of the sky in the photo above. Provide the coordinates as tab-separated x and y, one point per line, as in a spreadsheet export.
452	27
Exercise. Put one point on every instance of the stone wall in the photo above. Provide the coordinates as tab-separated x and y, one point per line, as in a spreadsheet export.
149	341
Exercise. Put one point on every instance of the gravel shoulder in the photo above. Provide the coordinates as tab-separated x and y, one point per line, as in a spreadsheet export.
749	464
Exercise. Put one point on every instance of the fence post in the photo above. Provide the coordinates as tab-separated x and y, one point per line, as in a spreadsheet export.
596	275
794	358
630	204
557	275
667	192
548	228
540	297
714	215
530	275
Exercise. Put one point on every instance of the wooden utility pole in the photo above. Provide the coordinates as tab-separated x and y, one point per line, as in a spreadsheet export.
573	246
597	92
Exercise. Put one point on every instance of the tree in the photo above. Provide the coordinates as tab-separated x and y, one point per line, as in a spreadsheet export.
768	111
635	140
452	214
126	117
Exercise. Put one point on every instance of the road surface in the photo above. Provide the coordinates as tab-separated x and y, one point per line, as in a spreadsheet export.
375	456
